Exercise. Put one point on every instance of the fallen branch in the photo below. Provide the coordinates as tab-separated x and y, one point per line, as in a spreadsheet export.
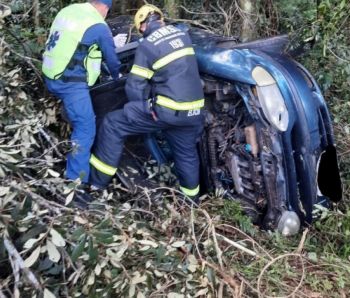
239	246
302	241
50	205
226	278
226	228
18	266
212	229
194	237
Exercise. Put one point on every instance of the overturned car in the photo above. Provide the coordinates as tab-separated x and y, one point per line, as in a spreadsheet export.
268	140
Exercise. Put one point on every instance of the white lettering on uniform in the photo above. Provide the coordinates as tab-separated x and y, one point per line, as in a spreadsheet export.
195	112
151	38
176	43
161	32
164	31
157	34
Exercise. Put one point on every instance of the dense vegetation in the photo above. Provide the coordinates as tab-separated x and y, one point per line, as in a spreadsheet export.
146	245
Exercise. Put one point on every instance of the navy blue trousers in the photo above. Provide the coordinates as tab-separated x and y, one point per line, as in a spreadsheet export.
181	131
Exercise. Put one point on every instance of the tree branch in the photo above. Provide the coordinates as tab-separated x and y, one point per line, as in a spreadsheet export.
17	264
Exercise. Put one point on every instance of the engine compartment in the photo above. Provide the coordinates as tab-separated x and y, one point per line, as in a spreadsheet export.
229	149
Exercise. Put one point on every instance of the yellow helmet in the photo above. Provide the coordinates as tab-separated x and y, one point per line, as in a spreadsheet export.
143	12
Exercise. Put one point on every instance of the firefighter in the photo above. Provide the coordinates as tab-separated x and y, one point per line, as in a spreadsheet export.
165	93
78	39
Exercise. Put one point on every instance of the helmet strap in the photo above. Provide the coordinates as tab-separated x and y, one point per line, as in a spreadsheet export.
152	17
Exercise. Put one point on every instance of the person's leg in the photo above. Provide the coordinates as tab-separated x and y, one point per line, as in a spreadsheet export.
82	118
78	107
133	119
183	141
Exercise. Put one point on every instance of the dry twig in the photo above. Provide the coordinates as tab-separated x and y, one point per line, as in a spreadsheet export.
239	246
18	266
194	236
229	280
302	241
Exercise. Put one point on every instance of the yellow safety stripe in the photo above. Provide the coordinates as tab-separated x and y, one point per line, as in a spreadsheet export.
101	166
190	192
179	106
142	71
172	57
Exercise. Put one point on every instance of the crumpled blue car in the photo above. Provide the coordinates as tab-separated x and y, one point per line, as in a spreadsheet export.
268	140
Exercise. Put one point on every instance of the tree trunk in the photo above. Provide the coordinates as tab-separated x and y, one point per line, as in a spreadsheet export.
248	24
171	6
36	13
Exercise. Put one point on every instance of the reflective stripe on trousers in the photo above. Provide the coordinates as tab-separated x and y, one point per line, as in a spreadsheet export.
190	192
101	166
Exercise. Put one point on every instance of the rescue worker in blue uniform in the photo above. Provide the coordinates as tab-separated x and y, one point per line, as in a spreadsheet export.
78	39
165	93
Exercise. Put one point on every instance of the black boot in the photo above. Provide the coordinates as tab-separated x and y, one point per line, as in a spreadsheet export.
82	198
193	201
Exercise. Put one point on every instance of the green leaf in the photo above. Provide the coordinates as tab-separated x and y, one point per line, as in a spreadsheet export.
202	292
54	254
53	173
30	261
91	278
116	253
4	191
312	256
140	295
104	224
103	237
32	233
148	242
57	239
77	233
138	279
178	244
78	250
69	198
48	294
92	251
30	243
175	295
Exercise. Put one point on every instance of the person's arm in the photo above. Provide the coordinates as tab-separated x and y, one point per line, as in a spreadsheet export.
137	85
107	47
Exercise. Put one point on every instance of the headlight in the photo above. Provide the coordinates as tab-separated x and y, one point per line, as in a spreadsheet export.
289	223
270	98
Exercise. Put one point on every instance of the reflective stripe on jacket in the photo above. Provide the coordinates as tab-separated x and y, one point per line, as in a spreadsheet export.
65	36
